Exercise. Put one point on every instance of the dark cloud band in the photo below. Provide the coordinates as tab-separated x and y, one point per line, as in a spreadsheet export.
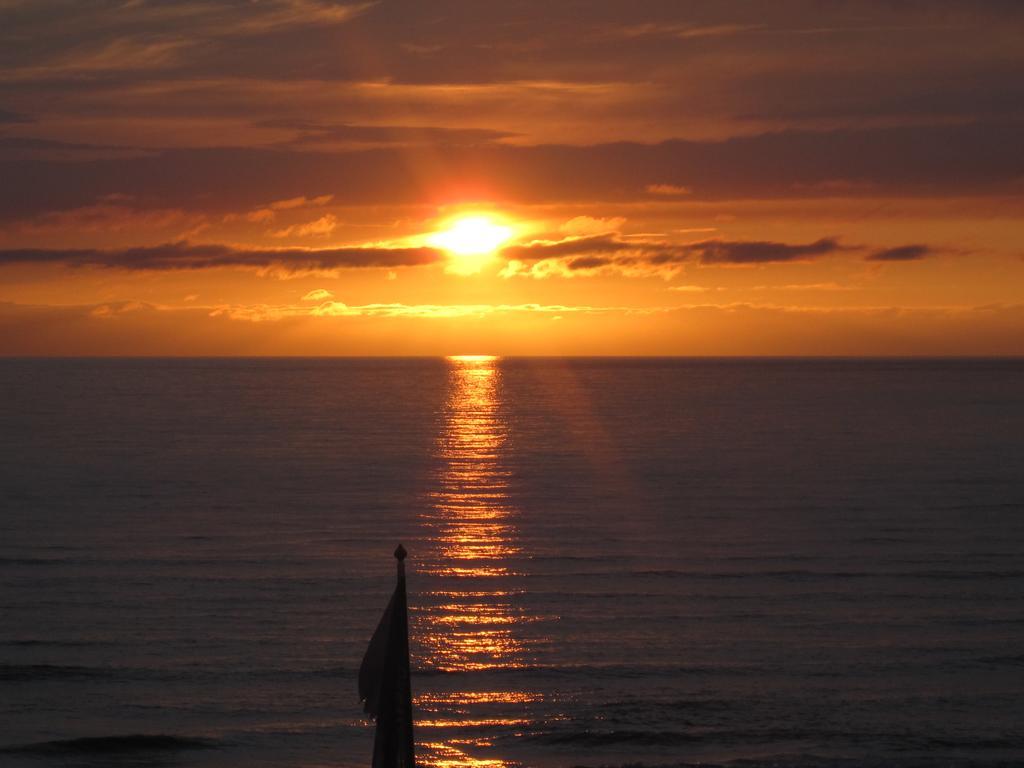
914	252
885	161
185	256
763	251
587	253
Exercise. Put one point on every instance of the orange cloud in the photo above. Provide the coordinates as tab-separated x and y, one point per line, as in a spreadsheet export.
588	225
267	213
671	190
318	227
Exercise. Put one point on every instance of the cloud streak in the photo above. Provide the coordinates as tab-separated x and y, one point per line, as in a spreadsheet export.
763	251
269	312
183	255
914	252
319	135
610	252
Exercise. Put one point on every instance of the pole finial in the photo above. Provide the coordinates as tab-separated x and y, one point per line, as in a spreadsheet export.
400	553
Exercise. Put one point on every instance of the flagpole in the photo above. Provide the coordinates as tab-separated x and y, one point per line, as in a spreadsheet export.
384	683
406	752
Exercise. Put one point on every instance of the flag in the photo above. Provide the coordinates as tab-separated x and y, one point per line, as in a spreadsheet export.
384	681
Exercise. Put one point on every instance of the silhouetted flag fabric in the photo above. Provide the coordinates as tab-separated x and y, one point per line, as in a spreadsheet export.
384	680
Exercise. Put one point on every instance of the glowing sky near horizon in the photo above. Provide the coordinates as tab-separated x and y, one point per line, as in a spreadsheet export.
317	177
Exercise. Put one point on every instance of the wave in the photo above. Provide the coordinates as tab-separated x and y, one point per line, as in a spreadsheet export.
113	744
967	575
1008	661
817	761
334	671
923	743
16	673
799	574
983	622
608	738
26	672
40	561
33	642
793	574
596	670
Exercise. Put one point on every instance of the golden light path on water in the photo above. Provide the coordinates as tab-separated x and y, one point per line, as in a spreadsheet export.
472	624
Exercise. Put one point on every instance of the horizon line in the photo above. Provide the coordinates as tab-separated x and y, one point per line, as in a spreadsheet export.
497	356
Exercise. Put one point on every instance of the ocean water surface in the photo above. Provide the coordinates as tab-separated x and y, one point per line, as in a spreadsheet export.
612	561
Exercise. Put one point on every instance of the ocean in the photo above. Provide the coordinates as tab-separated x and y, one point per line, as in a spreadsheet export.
756	562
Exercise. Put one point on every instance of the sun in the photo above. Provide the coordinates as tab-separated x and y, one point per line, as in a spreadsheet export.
470	241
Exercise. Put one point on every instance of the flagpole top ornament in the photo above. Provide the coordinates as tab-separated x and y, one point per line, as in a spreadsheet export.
400	553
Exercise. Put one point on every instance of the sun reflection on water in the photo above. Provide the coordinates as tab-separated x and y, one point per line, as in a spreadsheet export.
473	621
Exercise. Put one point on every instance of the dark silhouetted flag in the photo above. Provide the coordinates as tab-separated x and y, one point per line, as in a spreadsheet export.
384	681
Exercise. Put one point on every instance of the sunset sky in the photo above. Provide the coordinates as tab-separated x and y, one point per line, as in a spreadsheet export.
306	177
